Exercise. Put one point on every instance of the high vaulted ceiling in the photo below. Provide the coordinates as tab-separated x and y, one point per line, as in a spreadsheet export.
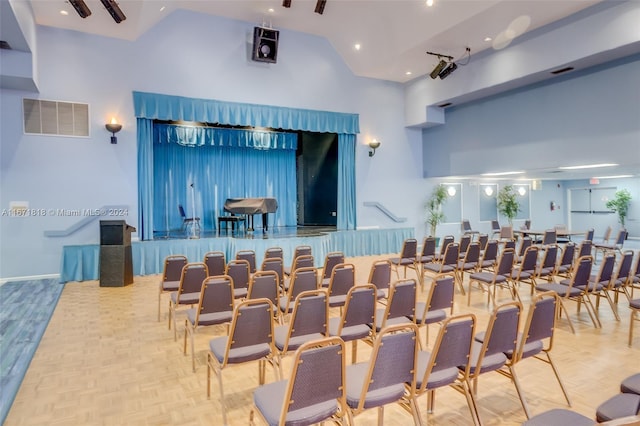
394	35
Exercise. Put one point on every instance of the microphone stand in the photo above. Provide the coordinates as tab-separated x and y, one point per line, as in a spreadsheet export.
193	213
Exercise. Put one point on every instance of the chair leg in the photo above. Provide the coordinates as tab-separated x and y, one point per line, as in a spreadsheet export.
354	351
555	371
222	405
516	382
159	300
471	402
381	415
564	308
632	319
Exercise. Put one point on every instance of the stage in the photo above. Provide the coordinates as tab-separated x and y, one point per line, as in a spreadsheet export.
81	262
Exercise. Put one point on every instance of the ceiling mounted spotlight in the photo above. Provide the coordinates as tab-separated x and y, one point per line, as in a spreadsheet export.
451	67
320	6
114	10
436	71
81	7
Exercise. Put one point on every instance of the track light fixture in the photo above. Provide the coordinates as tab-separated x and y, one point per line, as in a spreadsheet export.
114	10
446	64
320	6
81	7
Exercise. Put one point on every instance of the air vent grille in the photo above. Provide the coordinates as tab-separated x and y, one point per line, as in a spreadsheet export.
43	117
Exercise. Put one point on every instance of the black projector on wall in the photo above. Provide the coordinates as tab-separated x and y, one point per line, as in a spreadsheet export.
265	45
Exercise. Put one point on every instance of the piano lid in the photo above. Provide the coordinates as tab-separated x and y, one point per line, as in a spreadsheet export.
250	205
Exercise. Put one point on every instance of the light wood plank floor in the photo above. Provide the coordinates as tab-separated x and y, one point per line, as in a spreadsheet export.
105	360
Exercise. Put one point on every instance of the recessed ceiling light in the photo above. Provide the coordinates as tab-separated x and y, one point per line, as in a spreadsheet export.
488	39
64	12
408	73
270	10
357	46
587	166
503	173
429	3
162	8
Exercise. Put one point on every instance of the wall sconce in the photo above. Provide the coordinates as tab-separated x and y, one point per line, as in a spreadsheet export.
451	191
374	144
522	191
488	191
114	128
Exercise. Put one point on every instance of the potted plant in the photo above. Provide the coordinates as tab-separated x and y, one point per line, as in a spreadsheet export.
620	204
435	216
508	205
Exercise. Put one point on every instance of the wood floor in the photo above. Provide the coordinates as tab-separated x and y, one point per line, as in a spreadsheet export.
106	360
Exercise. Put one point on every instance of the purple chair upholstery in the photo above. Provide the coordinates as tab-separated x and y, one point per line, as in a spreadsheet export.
188	292
439	300
309	321
401	306
240	271
216	263
380	276
171	275
631	384
559	417
618	406
406	257
330	261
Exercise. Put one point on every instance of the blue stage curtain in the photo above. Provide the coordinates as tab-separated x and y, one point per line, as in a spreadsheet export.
174	108
219	166
153	106
145	178
346	182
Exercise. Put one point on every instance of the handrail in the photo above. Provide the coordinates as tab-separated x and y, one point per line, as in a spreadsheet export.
384	210
90	215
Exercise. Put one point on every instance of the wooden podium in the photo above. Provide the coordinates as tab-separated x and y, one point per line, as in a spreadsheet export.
116	264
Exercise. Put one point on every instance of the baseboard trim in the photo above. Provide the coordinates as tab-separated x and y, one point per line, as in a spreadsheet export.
29	278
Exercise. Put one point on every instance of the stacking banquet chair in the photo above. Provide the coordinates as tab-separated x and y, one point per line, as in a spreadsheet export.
315	391
567	260
469	263
585	248
381	380
634	306
501	277
506	233
214	307
528	267
446	240
589	234
439	367
380	276
264	284
622	280
495	228
439	300
483	239
510	244
272	252
575	288
489	256
406	257
250	339
238	270
536	341
401	306
616	246
548	267
524	244
309	321
330	261
343	278
189	221
216	263
550	236
427	254
466	228
274	264
358	317
302	261
489	347
188	292
249	256
302	250
601	283
171	275
465	240
448	264
303	279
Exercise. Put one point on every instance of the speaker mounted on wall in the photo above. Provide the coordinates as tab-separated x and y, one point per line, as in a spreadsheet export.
265	45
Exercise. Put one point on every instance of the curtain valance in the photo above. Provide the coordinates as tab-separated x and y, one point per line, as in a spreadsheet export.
167	107
219	137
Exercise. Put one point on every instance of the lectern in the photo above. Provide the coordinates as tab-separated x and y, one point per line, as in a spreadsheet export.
116	265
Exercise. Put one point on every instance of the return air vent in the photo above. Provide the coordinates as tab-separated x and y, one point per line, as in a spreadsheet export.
562	70
55	118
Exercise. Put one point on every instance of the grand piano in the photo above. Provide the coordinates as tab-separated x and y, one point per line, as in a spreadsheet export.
251	206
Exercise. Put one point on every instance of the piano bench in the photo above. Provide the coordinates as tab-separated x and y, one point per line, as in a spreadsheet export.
234	220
